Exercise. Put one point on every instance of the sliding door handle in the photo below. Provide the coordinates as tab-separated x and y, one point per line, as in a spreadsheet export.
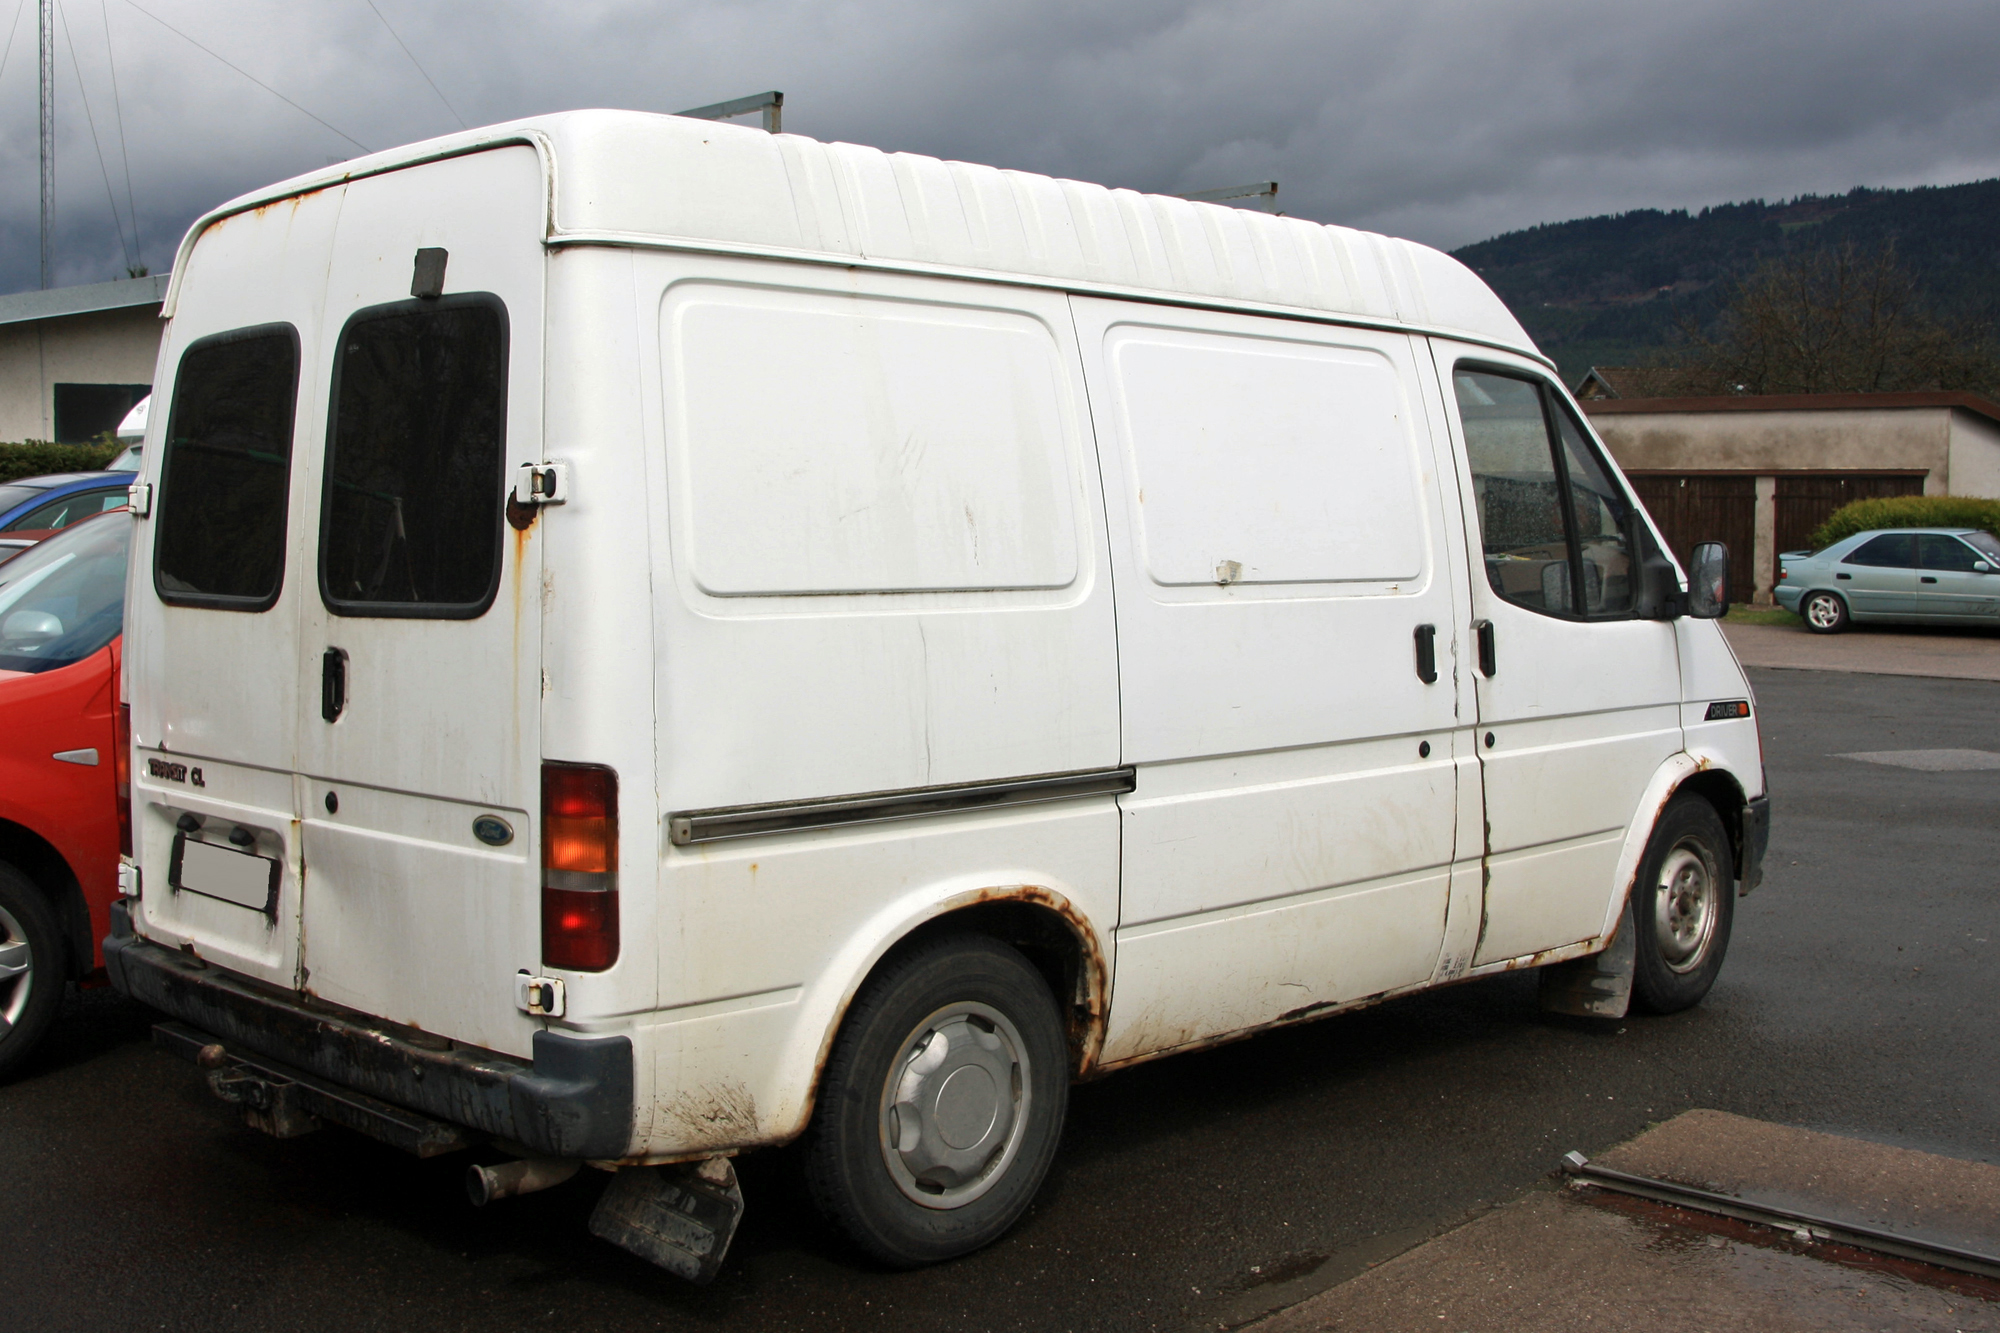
1489	662
332	683
1427	654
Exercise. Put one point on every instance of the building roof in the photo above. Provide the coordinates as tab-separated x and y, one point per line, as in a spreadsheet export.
56	302
1795	402
1628	382
631	178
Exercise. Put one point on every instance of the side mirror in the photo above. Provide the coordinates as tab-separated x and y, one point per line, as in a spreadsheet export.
1981	567
1708	581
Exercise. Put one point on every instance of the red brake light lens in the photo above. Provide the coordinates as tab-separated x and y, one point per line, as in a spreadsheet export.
579	867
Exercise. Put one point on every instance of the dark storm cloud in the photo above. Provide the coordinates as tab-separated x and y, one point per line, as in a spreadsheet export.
1443	121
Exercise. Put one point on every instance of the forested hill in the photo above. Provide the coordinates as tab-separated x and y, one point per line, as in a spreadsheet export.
1608	290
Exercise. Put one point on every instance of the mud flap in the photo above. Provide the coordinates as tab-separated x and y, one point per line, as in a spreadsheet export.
679	1217
1598	985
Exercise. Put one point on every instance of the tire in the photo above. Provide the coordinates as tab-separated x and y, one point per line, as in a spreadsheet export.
32	972
1683	904
1824	613
879	1165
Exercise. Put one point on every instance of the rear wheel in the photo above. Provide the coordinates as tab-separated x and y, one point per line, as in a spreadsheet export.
31	967
1824	612
941	1104
1682	905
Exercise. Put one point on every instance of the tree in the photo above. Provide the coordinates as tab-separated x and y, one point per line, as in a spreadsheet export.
1835	321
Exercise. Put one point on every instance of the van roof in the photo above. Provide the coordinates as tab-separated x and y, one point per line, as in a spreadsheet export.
638	179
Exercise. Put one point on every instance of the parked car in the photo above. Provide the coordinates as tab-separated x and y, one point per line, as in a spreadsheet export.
132	434
641	700
1909	576
34	507
61	764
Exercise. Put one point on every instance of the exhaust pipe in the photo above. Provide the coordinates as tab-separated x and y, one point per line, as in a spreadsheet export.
484	1184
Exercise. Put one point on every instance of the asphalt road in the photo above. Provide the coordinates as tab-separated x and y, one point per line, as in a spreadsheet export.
1192	1193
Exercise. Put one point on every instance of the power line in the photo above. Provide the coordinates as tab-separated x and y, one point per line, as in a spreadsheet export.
69	40
420	69
18	7
118	113
252	77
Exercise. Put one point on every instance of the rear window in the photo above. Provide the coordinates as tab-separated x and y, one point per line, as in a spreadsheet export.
415	470
227	470
63	600
61	513
1894	550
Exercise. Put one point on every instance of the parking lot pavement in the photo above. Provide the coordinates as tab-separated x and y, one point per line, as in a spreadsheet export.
1912	650
1601	1260
1191	1193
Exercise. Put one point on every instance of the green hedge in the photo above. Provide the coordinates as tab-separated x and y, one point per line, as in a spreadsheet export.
1908	511
38	458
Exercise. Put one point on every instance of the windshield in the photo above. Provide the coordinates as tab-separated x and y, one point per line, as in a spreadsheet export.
1986	544
63	600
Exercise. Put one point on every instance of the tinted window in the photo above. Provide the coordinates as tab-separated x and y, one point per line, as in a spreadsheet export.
61	513
415	471
1891	551
63	600
227	470
1939	552
1550	514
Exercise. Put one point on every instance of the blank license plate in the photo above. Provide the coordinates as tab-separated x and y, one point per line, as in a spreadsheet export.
223	872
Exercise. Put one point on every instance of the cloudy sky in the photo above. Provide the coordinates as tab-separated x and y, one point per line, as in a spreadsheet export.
1441	120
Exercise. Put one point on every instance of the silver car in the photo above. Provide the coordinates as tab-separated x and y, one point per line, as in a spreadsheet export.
1915	576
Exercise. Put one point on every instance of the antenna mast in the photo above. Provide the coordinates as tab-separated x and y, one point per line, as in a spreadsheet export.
48	34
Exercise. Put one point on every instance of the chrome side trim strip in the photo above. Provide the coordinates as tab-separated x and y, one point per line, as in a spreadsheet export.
722	823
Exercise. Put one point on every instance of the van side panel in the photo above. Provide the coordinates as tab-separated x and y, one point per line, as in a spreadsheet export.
879	566
1278	537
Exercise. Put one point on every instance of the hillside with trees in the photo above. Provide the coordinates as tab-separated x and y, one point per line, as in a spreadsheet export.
1637	288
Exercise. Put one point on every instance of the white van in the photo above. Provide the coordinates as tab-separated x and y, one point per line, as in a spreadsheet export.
651	639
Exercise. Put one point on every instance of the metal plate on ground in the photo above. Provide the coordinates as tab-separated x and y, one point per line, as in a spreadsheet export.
225	874
679	1217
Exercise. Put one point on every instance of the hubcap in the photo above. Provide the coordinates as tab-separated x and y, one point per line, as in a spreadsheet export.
1823	612
955	1105
1684	906
17	971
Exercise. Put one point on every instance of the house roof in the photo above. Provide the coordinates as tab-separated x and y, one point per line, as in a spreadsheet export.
1795	402
636	179
56	302
1627	381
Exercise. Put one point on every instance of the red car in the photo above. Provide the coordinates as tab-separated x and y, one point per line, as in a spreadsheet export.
63	779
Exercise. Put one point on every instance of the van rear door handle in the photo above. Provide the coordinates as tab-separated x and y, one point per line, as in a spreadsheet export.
1427	657
1489	662
332	683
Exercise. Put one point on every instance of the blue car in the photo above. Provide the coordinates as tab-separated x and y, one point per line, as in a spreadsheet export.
1911	576
35	507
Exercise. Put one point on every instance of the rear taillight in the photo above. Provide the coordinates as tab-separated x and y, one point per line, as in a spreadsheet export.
579	867
121	773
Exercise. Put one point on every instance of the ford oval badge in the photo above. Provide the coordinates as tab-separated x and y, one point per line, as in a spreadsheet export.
493	830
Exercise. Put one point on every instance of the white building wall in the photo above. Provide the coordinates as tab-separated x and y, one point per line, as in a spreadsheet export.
103	347
1975	455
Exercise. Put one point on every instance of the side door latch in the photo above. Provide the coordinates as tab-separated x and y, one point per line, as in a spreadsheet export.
541	484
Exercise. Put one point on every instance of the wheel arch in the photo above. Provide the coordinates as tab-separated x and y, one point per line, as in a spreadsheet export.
46	867
1702	775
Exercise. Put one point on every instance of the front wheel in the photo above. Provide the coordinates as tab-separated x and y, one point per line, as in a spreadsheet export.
31	967
1824	613
1682	905
941	1104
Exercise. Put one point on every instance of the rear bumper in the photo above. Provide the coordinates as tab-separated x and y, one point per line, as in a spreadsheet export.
1756	837
573	1100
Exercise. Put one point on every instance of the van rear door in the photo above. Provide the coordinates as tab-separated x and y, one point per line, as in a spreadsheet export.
219	571
419	661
